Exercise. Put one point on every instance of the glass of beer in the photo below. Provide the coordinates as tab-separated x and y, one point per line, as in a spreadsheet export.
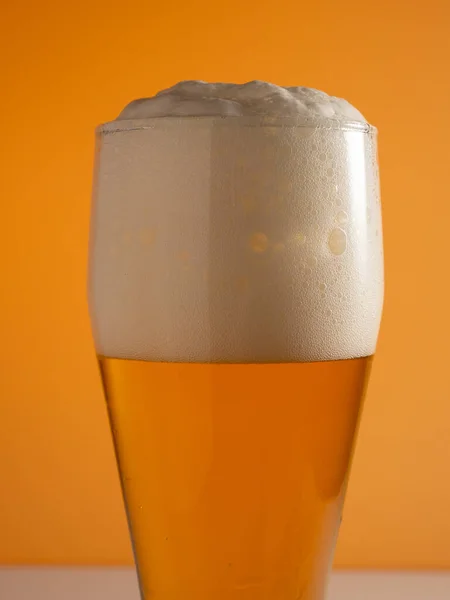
235	290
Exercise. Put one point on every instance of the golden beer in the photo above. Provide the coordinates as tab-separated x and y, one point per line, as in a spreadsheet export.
233	474
235	294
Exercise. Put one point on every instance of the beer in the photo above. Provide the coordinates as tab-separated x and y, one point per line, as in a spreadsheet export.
235	291
234	474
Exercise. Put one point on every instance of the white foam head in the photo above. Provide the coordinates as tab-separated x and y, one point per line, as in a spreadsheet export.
246	238
197	98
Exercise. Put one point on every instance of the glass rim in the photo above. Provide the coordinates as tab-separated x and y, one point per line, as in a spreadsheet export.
300	122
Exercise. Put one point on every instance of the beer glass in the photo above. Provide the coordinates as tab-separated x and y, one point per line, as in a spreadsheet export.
235	289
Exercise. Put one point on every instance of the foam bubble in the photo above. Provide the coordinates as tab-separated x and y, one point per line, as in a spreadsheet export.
337	242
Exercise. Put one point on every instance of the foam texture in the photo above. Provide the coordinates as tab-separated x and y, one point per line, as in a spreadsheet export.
197	98
230	240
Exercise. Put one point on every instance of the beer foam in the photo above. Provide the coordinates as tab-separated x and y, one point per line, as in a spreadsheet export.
197	98
235	239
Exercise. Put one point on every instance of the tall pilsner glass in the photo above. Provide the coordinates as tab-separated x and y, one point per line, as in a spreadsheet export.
236	284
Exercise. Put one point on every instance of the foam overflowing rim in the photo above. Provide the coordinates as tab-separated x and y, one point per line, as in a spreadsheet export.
239	121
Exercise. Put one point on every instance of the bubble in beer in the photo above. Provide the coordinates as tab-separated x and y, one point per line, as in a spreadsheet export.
342	217
185	258
337	241
259	242
248	204
147	237
242	284
278	247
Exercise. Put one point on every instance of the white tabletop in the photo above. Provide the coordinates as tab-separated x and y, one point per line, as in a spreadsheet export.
19	583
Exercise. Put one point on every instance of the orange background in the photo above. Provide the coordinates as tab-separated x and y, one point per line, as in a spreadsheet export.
66	68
